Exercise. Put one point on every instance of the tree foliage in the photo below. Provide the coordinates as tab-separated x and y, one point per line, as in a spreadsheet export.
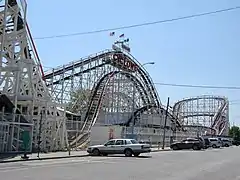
234	132
79	101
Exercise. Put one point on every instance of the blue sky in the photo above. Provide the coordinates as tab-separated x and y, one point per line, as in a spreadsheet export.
199	51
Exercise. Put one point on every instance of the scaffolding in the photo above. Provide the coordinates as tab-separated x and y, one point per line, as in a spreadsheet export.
22	83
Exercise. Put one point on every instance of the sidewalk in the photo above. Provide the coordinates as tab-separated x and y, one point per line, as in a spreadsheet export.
59	155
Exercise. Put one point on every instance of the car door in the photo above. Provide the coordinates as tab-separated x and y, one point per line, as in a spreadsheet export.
119	146
190	143
187	144
183	144
109	147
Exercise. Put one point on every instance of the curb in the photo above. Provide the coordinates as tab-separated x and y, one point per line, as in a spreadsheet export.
159	150
39	159
61	157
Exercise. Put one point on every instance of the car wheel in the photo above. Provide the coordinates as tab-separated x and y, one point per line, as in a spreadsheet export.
226	145
214	146
195	147
96	152
175	147
136	154
128	153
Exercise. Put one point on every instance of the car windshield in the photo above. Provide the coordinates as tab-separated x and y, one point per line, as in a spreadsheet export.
133	141
111	142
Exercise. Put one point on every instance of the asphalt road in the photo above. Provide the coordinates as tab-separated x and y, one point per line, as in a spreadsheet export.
217	164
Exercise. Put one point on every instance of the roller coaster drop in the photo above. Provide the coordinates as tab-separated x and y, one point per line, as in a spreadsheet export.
114	89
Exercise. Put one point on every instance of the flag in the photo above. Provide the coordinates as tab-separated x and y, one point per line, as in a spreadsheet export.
121	36
112	33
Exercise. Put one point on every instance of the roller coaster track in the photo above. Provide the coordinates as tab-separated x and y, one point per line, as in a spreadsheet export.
218	124
105	55
96	99
144	85
95	105
218	115
98	93
144	109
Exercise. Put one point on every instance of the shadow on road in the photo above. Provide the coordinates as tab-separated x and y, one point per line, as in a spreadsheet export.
191	150
141	156
5	156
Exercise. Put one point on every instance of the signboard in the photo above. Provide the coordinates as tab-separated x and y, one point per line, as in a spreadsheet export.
126	48
114	47
122	61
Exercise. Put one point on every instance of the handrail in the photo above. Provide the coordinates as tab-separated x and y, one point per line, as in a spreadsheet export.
58	68
35	50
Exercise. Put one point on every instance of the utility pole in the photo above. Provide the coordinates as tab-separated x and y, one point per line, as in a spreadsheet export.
39	133
165	123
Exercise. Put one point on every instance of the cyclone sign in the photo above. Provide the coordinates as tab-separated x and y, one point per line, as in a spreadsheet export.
124	62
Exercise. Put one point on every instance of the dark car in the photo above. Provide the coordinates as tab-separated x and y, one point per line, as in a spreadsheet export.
189	143
207	143
236	143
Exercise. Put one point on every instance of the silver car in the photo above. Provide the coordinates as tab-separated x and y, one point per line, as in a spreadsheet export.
226	142
215	142
128	147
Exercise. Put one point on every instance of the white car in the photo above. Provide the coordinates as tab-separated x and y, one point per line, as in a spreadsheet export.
128	147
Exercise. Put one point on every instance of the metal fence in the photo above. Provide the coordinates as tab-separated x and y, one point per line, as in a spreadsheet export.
15	135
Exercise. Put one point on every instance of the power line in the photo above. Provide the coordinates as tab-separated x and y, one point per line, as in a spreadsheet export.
199	86
139	25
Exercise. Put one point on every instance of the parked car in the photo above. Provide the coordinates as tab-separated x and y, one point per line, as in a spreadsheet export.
207	143
189	143
236	143
226	142
128	147
215	142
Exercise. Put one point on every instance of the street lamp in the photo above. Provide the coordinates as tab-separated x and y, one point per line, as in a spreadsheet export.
148	63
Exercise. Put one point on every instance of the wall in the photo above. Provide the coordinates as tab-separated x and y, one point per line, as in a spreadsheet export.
101	134
114	118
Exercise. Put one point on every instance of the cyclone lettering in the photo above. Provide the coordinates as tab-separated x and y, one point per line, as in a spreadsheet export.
124	62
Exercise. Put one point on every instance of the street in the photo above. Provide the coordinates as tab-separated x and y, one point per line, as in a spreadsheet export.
212	164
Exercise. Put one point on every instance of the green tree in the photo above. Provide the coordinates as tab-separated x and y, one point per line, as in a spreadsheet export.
79	100
234	132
